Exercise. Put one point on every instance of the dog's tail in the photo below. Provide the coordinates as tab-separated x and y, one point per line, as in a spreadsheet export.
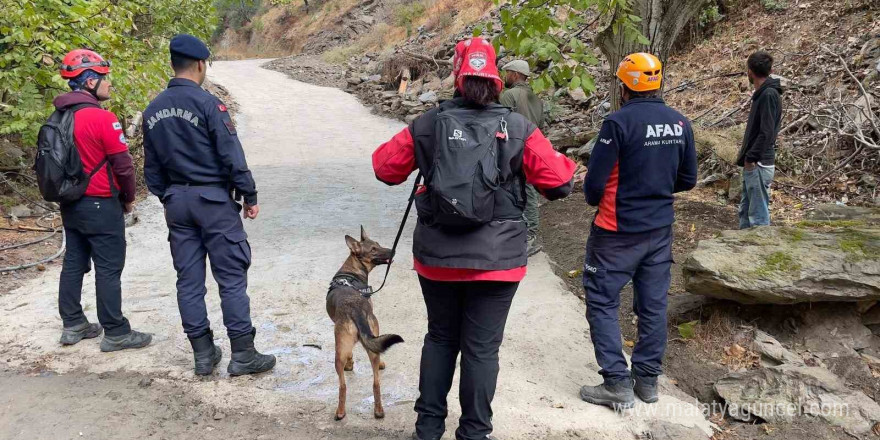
373	343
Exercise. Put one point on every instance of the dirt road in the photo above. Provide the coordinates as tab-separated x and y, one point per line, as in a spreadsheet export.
309	148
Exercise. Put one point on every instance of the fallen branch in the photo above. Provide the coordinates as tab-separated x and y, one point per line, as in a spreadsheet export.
710	109
26	229
870	115
687	84
732	112
793	124
427	58
832	171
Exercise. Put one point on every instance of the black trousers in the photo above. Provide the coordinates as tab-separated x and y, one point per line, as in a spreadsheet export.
466	317
95	231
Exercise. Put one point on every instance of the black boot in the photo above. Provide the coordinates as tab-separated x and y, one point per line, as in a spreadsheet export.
246	359
618	395
645	387
207	354
72	335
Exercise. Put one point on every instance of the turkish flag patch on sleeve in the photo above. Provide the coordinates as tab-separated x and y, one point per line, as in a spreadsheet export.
221	107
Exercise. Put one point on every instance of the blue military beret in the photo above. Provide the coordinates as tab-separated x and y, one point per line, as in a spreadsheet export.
189	46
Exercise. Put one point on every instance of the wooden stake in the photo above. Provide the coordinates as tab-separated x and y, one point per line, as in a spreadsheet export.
404	81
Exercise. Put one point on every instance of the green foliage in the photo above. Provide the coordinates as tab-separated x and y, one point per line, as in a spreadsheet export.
860	245
778	262
774	5
257	26
793	235
36	34
688	330
407	13
236	13
709	15
535	30
829	223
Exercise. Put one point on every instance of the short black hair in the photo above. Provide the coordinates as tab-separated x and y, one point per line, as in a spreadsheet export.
181	63
761	63
648	94
479	90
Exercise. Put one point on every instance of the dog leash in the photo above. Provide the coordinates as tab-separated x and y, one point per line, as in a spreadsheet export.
412	198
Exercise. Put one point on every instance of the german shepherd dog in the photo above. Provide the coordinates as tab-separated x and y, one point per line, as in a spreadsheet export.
351	309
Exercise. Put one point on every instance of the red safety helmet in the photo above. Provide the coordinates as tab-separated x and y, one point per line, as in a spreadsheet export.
78	61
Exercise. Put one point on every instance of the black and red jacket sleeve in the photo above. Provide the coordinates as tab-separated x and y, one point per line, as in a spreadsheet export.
116	151
395	160
547	169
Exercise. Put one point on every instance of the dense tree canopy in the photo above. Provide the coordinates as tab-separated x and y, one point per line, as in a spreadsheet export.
36	34
550	33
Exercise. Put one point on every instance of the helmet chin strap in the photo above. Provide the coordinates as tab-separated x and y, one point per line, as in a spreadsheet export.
94	90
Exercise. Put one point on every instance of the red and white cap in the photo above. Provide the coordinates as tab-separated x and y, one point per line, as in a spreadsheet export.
475	57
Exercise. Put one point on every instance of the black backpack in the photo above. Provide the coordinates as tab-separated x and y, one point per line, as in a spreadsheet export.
58	165
465	174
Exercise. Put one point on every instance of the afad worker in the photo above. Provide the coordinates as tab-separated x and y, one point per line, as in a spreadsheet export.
94	225
193	163
470	240
645	153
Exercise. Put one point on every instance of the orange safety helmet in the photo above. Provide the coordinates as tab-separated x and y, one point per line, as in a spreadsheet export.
78	61
641	72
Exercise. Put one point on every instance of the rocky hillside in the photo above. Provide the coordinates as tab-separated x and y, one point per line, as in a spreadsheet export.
828	57
338	29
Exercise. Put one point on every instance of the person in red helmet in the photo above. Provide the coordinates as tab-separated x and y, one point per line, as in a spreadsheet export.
469	244
94	225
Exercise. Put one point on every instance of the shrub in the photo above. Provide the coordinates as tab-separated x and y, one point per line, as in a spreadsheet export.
132	34
406	13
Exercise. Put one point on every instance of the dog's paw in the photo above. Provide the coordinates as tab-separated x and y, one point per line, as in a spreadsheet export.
340	416
382	365
379	414
349	366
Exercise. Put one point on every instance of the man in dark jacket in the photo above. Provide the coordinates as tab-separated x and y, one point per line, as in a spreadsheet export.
94	225
759	143
194	162
645	153
518	95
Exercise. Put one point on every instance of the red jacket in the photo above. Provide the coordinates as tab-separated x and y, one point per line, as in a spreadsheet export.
546	169
98	135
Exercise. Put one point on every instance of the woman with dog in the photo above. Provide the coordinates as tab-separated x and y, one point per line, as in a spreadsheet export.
469	244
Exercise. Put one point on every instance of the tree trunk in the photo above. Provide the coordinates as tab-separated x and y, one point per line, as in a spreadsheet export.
662	21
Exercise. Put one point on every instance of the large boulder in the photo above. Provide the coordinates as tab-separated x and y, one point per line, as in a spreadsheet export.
724	143
564	139
833	213
787	265
784	393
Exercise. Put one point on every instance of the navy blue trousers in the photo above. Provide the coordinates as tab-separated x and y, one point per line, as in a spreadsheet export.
612	260
204	221
95	231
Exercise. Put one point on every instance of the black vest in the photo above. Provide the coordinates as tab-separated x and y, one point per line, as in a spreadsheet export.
497	245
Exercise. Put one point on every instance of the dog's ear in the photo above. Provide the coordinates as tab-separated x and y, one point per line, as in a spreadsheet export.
353	244
364	236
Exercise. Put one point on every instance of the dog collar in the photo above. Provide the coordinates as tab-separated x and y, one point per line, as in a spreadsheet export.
344	280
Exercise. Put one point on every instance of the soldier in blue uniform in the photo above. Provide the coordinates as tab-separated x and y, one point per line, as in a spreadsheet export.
196	166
